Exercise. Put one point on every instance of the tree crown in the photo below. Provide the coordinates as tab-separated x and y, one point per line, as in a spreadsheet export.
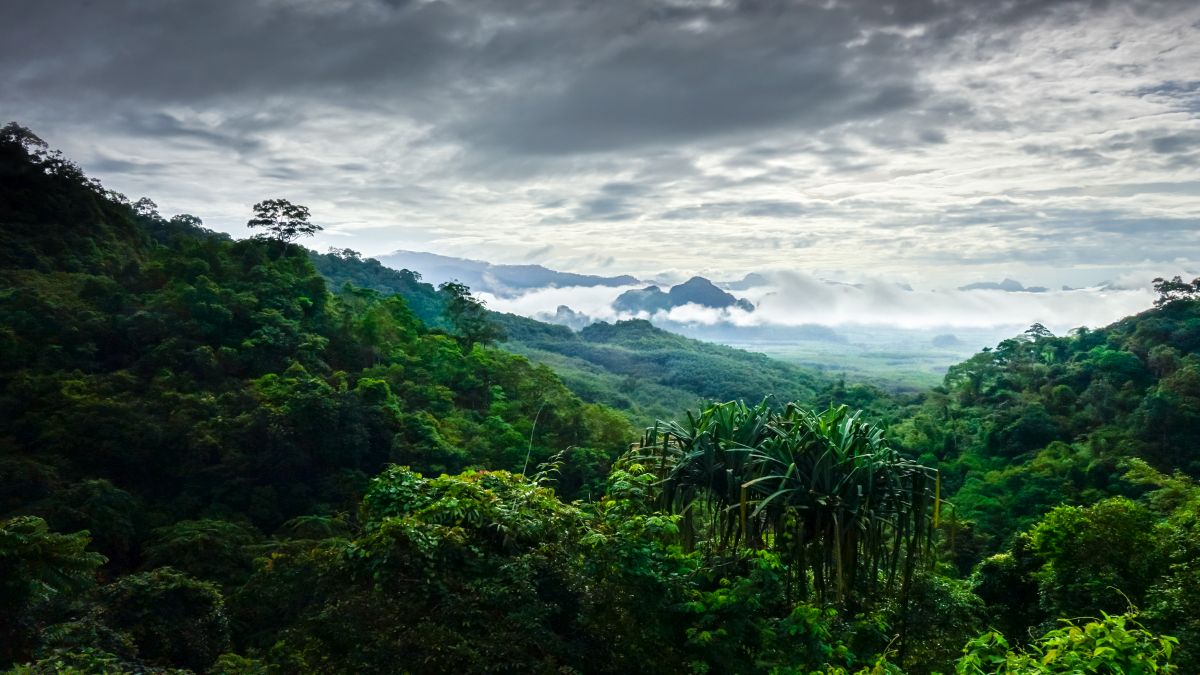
283	220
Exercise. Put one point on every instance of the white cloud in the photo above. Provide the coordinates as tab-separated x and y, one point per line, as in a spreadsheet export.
880	303
594	301
798	299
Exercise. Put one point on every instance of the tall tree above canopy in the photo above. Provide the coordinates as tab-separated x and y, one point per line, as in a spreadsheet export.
1175	289
283	220
16	134
468	316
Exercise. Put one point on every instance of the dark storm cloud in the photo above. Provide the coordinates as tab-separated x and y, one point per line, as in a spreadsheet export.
1184	95
668	84
231	133
180	52
766	208
1176	143
615	201
105	164
604	208
526	76
1076	156
498	125
1125	224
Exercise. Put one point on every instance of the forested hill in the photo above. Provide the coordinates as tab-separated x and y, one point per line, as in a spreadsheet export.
1071	462
1041	418
635	366
632	366
213	462
345	266
159	381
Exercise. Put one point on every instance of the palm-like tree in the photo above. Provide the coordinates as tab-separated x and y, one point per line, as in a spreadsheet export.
826	490
36	563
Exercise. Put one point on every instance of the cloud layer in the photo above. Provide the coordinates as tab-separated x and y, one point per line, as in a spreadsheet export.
792	299
931	142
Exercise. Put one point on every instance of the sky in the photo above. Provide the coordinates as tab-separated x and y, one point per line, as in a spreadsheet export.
929	142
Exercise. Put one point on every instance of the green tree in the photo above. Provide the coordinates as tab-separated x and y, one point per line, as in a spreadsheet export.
1111	645
283	220
172	618
36	564
1092	555
213	550
851	514
1175	290
944	613
31	143
468	316
111	517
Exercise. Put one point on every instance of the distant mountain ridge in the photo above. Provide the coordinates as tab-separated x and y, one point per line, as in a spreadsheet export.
751	280
697	290
504	280
1008	286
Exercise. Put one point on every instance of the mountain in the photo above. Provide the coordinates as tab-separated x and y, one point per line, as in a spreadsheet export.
946	340
751	280
496	279
565	316
697	290
1008	286
650	299
212	372
703	292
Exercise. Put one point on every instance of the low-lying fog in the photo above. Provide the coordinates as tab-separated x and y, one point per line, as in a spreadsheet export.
793	299
873	329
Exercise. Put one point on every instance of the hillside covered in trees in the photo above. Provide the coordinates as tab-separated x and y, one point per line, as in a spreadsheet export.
222	456
632	366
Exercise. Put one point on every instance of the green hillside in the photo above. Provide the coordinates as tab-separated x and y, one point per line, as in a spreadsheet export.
218	456
207	376
1042	417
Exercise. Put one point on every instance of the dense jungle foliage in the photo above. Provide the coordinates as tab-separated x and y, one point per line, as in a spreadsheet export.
222	456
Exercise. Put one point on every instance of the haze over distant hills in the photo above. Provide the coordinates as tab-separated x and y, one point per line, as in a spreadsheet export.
747	282
503	280
508	281
878	327
777	302
1008	285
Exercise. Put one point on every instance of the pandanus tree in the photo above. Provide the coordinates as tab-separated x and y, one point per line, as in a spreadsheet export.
851	516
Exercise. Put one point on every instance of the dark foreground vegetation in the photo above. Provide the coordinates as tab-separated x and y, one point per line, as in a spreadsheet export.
218	456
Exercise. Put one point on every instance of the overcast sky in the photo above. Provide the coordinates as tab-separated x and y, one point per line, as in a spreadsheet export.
933	142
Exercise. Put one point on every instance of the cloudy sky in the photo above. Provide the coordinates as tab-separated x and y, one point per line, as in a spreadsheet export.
934	142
